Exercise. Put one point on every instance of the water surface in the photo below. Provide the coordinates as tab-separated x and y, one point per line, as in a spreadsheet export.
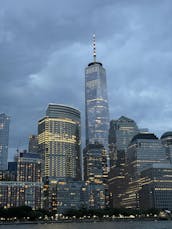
96	225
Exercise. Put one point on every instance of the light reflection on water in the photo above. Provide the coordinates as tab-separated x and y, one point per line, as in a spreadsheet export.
96	225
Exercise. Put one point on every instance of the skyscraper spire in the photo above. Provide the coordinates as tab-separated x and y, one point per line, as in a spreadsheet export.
94	47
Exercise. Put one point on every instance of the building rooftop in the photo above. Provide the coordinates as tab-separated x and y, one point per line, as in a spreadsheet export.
167	134
144	136
93	63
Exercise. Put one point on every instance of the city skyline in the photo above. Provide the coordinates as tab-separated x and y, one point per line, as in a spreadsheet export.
41	55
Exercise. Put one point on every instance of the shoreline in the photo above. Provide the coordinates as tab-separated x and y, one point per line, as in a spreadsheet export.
82	221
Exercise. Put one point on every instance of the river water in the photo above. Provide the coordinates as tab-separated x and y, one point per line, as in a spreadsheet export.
96	225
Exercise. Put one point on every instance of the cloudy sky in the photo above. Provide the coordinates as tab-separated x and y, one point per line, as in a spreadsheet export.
45	46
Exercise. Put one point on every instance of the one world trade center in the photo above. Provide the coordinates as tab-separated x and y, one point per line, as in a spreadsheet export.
96	102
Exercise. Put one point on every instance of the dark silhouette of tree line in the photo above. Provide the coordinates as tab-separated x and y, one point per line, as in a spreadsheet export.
26	213
23	213
110	212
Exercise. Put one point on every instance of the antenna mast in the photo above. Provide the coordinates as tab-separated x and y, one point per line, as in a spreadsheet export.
94	47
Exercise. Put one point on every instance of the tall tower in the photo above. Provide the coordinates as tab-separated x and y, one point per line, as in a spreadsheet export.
4	137
96	102
59	142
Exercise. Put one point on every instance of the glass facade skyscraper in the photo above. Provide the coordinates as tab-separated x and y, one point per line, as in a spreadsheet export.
4	137
121	132
144	150
96	104
156	191
166	140
59	142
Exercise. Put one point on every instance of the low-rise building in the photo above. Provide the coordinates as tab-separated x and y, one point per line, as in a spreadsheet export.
16	193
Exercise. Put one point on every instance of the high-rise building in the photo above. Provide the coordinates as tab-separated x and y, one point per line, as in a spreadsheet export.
156	191
96	103
166	140
121	132
96	156
117	181
4	137
59	142
95	164
144	150
33	144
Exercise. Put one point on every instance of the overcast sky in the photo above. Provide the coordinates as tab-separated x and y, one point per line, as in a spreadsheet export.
45	46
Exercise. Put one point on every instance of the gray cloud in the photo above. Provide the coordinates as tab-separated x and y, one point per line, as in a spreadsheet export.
44	48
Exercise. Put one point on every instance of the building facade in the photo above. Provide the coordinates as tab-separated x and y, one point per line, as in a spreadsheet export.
64	194
22	183
16	193
144	150
28	167
121	132
97	195
33	144
166	140
95	163
96	175
117	181
4	138
59	142
157	191
96	103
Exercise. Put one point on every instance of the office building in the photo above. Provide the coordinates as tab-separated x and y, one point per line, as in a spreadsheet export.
17	193
22	184
97	195
117	182
156	191
28	167
33	144
95	163
95	175
64	194
121	132
166	140
59	142
4	137
96	103
144	150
